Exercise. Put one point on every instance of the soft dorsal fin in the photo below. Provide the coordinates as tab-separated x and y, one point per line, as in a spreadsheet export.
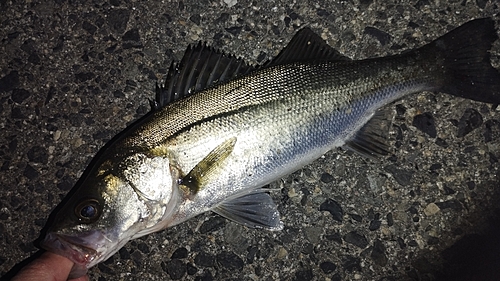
307	46
200	67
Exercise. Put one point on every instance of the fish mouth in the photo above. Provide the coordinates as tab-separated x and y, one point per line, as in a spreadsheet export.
82	250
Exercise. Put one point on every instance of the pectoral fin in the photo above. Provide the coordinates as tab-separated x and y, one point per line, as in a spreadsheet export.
256	210
208	167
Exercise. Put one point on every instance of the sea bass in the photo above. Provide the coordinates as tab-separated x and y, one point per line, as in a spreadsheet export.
221	129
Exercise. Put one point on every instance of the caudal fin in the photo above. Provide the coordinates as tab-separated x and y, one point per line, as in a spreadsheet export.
467	66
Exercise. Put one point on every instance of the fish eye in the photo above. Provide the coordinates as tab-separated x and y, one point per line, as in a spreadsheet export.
88	210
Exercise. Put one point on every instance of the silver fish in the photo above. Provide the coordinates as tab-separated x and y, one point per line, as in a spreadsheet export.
220	130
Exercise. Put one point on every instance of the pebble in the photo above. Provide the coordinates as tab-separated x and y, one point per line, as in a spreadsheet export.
334	208
230	3
292	193
282	253
431	209
491	128
448	190
105	269
77	142
402	176
304	275
230	261
334	237
254	277
143	247
212	224
375	225
328	267
191	269
175	268
378	253
38	154
390	219
450	204
401	242
336	277
252	254
124	253
356	239
204	260
132	39
327	178
432	240
9	81
30	172
383	37
352	263
117	19
19	95
180	253
425	123
356	217
386	231
470	120
313	234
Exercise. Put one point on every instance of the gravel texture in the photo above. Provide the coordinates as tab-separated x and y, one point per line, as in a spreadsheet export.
75	73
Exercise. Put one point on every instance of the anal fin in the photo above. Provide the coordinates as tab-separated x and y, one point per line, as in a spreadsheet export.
255	210
371	140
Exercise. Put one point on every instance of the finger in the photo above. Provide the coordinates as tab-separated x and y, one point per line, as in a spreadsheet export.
83	278
48	267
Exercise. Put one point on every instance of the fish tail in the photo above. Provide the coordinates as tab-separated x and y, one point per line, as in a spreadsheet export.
464	54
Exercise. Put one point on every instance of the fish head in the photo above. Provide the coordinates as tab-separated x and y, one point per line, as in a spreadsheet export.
118	201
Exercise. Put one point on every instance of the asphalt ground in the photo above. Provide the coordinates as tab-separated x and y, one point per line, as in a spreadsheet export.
75	73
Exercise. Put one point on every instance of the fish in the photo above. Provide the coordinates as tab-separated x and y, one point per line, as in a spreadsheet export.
221	129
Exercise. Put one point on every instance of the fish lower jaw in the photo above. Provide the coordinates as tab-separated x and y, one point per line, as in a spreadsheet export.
83	256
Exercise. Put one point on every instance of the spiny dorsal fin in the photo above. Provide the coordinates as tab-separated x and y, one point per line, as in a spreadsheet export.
371	140
200	67
306	46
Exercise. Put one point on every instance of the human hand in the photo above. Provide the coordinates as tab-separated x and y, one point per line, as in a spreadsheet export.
47	267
